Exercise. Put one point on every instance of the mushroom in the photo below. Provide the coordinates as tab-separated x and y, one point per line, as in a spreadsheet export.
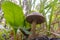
34	18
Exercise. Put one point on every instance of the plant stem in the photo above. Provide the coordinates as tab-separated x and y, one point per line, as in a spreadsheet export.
15	35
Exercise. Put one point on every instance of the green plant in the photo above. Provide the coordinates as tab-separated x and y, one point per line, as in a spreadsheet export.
13	15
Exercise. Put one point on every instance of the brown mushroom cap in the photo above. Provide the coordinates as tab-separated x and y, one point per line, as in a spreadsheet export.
35	16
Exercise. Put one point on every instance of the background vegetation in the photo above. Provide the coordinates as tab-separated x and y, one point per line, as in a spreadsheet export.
13	14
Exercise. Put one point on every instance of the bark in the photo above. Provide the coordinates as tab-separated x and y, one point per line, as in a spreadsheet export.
27	6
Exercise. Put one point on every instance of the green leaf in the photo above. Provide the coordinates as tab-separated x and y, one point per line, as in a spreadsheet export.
25	30
13	14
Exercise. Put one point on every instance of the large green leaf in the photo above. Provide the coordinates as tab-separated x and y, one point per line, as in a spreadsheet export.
13	13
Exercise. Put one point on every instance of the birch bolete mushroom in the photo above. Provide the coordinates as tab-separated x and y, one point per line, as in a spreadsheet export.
34	18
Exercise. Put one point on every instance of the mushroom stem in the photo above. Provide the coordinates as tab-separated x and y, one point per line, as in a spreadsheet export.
33	29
